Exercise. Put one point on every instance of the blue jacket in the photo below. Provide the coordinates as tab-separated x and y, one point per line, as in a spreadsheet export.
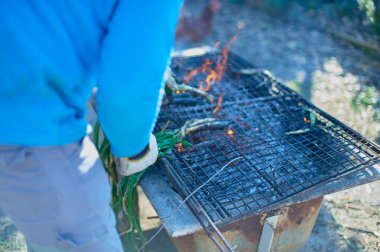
52	53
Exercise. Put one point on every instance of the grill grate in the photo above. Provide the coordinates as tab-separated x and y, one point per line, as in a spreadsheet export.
284	154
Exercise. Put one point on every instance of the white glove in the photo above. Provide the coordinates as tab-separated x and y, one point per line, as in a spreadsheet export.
128	166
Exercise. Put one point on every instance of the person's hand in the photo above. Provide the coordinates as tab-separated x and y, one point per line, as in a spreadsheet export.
128	166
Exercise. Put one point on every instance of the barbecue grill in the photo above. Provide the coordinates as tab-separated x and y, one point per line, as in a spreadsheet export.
288	149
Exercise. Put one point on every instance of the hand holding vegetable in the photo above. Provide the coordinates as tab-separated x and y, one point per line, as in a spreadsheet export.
128	166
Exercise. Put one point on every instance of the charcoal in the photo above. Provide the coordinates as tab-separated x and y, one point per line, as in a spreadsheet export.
266	124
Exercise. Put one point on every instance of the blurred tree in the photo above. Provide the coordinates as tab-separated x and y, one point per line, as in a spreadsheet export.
377	15
279	6
362	9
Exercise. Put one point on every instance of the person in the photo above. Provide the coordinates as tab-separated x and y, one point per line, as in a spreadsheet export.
52	53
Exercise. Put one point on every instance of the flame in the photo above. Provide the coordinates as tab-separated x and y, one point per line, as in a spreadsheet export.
216	45
191	74
221	64
219	105
230	132
214	75
204	68
210	79
180	148
206	65
204	86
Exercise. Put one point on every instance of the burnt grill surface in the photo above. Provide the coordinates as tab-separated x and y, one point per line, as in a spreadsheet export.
283	154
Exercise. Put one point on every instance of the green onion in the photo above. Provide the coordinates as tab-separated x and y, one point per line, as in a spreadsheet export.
124	189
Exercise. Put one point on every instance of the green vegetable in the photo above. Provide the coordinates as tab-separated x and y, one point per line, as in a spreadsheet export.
124	192
313	119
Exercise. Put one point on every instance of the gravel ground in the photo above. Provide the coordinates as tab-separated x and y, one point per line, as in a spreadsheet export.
10	238
340	79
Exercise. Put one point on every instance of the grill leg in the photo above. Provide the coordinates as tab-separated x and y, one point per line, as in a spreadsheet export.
267	234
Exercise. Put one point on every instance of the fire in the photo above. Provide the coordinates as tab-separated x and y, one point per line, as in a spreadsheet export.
221	64
219	105
210	79
216	45
230	132
205	68
214	75
180	148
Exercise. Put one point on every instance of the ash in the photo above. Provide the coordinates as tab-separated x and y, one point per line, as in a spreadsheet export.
287	144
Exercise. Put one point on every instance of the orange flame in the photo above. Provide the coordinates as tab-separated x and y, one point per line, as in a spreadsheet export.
221	64
180	148
213	75
204	68
230	132
216	45
219	105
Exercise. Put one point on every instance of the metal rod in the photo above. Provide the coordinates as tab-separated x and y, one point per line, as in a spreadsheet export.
220	235
189	198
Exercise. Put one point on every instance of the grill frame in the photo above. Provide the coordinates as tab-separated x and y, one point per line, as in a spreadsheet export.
280	92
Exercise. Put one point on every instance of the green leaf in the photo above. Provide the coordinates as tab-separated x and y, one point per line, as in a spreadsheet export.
124	191
313	119
104	150
96	134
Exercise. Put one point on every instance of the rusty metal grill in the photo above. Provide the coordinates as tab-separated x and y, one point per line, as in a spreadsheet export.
283	154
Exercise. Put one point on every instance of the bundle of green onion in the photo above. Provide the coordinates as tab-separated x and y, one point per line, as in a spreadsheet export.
124	191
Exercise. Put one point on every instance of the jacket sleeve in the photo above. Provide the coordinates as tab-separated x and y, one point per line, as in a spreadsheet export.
134	55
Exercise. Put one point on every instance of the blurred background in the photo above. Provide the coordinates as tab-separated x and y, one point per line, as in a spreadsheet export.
329	52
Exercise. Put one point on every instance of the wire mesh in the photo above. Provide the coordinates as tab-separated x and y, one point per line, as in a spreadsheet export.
288	145
234	85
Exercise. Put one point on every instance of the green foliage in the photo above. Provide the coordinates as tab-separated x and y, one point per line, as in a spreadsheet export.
366	97
279	4
276	6
377	16
368	7
313	119
295	85
354	9
365	9
124	190
167	140
346	8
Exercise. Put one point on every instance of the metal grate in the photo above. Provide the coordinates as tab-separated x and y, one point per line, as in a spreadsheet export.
269	125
